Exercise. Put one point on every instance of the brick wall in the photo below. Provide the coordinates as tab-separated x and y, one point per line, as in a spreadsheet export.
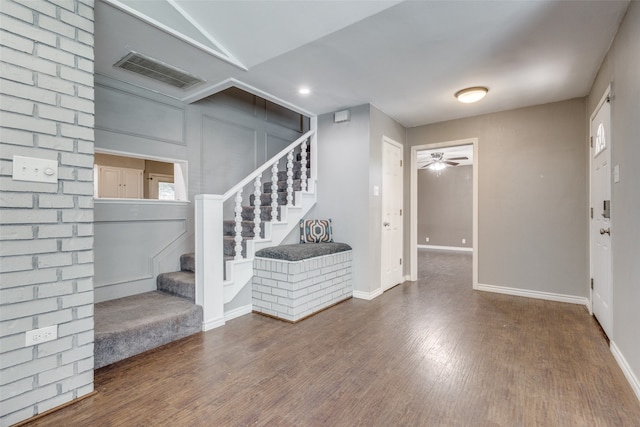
293	290
46	230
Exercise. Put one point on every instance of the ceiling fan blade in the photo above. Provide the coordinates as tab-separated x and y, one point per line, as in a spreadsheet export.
458	158
451	163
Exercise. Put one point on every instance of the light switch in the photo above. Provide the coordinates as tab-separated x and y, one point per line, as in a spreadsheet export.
36	170
376	190
616	173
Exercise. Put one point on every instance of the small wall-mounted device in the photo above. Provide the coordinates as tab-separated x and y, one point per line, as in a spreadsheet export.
606	209
342	116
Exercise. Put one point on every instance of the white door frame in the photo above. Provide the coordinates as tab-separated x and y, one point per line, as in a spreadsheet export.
387	140
413	239
605	98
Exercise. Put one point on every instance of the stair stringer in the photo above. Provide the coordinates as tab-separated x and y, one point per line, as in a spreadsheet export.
240	272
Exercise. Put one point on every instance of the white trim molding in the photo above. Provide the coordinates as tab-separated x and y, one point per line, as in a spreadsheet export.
237	312
626	369
446	248
549	296
367	295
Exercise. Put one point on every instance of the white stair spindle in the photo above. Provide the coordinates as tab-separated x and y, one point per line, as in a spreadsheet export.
303	168
238	229
256	207
290	178
274	192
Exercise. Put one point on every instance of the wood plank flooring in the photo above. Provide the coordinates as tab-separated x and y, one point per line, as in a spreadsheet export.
427	353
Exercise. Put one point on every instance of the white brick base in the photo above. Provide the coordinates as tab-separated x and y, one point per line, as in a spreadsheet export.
293	290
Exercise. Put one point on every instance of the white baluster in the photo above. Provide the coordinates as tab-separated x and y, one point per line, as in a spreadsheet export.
274	192
238	229
303	168
290	178
256	207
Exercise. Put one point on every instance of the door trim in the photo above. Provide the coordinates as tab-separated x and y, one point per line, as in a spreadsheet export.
413	185
606	95
385	140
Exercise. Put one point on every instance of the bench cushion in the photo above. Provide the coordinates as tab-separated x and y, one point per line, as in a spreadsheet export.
300	251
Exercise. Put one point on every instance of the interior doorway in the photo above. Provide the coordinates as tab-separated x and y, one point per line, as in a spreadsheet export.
419	160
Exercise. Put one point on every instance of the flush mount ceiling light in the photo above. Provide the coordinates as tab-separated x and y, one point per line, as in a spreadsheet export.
471	94
304	91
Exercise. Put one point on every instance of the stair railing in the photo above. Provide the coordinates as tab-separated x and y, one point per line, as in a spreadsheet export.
209	226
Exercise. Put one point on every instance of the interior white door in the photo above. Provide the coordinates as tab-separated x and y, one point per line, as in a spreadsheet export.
392	197
601	222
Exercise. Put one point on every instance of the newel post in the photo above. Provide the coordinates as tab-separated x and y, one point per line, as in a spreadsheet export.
209	259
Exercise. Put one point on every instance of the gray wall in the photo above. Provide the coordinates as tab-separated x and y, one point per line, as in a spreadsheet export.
532	194
223	138
350	165
46	231
622	67
445	206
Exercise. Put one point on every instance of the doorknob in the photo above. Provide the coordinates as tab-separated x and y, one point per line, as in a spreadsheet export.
605	231
385	224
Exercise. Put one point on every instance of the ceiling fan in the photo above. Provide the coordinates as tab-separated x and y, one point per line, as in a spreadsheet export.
438	162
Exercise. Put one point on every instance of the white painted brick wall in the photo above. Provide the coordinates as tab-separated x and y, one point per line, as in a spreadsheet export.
46	230
294	290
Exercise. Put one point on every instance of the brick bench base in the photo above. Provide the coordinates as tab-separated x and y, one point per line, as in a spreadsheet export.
294	290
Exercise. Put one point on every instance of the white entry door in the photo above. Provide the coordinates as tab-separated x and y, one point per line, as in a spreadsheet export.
392	197
601	222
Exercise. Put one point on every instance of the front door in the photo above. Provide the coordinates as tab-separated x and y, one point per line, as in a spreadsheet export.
392	271
601	222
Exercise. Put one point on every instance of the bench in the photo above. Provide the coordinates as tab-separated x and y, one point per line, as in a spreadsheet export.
293	282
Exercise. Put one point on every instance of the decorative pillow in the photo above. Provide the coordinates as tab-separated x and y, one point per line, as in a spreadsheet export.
315	231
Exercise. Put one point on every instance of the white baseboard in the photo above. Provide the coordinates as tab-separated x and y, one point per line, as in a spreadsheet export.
367	295
237	312
626	369
446	248
212	324
571	299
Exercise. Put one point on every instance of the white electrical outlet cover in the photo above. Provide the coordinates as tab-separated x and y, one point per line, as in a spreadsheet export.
38	336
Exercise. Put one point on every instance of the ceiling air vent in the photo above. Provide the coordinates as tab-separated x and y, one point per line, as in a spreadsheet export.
157	70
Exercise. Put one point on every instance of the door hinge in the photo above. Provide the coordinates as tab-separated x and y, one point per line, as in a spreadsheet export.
591	283
591	209
400	212
400	261
400	163
591	143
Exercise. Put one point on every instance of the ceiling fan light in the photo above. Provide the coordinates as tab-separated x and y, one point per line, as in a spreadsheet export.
437	166
471	94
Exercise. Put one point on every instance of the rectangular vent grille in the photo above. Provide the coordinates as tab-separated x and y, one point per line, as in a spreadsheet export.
157	70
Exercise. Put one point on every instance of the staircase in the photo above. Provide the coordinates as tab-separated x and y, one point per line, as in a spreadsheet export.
192	299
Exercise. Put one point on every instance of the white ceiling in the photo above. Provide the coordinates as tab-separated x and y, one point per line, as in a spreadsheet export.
407	58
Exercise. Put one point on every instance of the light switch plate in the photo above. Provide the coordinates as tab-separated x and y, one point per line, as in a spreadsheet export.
616	173
376	190
36	170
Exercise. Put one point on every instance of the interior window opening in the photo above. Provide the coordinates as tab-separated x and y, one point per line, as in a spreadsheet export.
118	176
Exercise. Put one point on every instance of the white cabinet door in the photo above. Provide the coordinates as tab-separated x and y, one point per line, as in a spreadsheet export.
132	184
119	183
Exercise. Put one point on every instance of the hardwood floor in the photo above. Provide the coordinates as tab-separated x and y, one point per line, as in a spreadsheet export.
427	353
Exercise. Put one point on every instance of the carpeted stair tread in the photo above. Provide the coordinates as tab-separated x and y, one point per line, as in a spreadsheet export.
179	283
188	262
131	325
229	228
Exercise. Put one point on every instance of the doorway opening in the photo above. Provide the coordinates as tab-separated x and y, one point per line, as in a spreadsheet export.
437	157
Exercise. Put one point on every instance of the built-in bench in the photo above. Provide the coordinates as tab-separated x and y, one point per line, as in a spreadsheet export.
292	282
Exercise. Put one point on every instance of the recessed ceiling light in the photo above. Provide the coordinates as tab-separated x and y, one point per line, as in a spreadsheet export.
304	91
471	94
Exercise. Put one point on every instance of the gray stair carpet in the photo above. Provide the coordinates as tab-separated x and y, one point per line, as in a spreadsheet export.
179	283
131	325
